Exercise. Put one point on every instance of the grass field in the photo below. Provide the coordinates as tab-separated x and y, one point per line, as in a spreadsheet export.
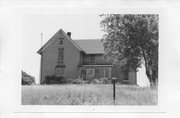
87	95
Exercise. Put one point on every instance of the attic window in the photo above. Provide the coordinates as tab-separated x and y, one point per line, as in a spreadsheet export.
61	41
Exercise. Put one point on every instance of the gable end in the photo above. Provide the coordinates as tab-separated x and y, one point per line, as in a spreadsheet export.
52	39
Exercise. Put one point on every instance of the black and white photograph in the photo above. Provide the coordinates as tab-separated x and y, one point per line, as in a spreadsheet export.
88	58
105	59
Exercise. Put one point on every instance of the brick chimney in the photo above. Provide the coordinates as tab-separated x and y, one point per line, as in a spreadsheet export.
69	34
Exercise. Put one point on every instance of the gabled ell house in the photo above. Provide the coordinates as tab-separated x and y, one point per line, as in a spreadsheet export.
72	59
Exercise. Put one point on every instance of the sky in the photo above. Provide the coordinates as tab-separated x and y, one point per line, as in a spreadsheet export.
81	26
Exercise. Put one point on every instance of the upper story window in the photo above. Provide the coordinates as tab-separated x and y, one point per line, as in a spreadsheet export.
61	41
60	56
92	59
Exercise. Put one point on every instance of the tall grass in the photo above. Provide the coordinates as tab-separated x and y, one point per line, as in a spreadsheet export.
87	95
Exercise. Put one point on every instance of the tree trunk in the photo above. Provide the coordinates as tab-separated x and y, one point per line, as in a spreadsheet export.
151	77
150	73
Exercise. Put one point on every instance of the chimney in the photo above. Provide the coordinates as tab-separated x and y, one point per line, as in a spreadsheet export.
69	34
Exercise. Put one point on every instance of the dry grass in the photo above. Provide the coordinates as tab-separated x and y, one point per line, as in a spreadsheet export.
87	95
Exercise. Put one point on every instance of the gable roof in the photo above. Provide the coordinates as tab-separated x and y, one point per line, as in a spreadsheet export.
91	46
52	39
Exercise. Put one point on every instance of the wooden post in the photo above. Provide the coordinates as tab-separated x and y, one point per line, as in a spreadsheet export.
114	90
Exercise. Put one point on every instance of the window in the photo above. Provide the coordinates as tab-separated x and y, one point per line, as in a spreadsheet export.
90	73
60	60
61	54
102	72
87	73
59	71
107	72
125	76
97	73
61	41
83	74
92	59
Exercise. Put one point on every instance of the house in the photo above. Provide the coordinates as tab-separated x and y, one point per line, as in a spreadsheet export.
62	56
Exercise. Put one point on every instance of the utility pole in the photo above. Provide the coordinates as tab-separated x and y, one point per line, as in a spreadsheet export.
41	39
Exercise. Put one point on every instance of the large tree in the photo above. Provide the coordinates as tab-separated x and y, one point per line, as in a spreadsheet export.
133	37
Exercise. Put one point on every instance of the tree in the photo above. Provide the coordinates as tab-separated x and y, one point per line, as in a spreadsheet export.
27	79
134	38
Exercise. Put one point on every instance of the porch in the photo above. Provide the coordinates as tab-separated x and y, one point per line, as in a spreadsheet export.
88	72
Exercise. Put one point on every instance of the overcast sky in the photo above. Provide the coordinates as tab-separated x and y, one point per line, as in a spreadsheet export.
81	26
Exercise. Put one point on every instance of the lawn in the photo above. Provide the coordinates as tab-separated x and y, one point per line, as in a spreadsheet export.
89	94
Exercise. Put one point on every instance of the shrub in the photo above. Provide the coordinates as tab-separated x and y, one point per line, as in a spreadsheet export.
27	79
49	80
69	81
54	80
101	81
79	81
95	81
60	80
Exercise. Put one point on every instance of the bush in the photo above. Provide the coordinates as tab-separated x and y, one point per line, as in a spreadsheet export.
92	81
101	81
79	81
95	81
54	80
27	79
